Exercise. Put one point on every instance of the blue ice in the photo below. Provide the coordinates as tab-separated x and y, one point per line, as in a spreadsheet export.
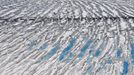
83	50
132	51
125	68
51	53
119	52
44	46
67	49
97	53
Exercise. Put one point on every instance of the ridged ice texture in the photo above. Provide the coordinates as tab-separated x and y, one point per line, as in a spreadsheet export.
66	37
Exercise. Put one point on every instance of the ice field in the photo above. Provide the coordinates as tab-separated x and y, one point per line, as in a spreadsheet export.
66	37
